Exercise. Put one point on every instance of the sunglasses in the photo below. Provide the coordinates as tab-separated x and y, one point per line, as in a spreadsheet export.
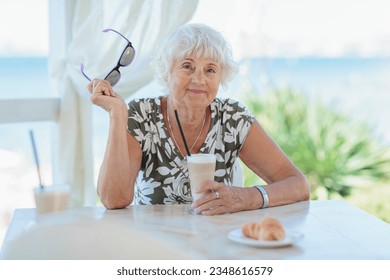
125	59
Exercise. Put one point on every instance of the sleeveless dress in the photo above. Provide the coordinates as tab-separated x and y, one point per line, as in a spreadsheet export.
163	178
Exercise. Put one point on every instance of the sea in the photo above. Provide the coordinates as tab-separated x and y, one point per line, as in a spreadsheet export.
360	86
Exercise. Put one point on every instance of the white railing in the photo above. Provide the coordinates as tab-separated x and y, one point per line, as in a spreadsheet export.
29	110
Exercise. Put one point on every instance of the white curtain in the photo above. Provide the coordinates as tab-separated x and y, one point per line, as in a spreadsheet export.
145	23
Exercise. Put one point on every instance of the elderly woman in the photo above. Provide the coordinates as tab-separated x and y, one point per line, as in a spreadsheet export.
145	158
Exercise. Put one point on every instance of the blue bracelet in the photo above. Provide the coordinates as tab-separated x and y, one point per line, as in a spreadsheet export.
264	194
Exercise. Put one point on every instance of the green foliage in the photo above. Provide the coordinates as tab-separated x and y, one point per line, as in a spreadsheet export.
335	152
373	200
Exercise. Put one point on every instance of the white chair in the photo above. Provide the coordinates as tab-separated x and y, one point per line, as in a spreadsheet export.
238	174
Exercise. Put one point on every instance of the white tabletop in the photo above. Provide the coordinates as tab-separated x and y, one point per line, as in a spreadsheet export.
331	230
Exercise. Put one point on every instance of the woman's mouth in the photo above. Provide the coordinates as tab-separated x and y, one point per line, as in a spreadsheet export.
197	91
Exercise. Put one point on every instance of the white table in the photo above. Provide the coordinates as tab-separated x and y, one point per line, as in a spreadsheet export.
332	230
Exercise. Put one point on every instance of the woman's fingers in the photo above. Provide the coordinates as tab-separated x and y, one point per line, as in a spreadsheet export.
90	87
215	211
215	199
102	87
214	207
104	96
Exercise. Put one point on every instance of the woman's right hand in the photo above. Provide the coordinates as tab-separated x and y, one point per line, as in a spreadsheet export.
104	96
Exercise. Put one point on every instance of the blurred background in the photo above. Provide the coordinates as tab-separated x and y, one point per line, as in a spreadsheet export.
315	73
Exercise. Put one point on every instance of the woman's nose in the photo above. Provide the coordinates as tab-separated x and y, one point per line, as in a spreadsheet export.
198	76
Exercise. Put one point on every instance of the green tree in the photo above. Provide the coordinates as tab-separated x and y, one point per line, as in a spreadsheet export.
334	151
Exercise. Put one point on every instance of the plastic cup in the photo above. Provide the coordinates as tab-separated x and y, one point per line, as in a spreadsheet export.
201	168
51	199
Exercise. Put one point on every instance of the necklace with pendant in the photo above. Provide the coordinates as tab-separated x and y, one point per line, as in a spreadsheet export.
173	136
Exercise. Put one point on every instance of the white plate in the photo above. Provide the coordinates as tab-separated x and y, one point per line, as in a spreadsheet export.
290	238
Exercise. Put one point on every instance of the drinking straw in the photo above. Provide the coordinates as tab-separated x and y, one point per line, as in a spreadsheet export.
36	158
182	134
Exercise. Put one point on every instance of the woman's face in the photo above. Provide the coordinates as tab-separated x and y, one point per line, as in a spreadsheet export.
194	81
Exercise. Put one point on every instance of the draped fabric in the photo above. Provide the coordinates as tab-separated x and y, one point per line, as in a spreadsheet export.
145	23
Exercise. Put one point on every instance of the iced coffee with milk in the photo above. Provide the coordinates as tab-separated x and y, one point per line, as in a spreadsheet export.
201	168
51	199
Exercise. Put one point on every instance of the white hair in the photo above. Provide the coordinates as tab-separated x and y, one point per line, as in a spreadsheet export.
199	40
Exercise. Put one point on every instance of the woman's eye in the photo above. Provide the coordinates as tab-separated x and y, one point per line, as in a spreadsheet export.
187	66
211	70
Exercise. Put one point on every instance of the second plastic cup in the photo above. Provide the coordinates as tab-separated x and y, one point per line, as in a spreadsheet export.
51	199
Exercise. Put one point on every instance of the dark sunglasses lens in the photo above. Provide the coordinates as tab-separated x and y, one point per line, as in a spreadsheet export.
127	56
113	77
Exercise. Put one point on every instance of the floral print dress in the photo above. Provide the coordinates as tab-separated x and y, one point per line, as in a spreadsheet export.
163	178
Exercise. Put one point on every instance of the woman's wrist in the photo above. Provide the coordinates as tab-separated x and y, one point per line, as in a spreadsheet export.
120	113
264	195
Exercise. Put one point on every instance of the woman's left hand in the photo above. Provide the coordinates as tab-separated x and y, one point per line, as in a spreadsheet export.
218	198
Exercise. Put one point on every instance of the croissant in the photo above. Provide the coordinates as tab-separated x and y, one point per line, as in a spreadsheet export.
267	229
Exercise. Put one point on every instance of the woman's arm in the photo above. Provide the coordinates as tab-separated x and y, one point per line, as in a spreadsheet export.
286	184
122	158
